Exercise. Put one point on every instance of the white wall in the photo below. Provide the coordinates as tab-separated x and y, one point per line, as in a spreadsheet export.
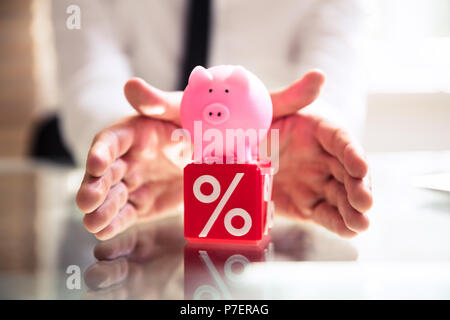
407	122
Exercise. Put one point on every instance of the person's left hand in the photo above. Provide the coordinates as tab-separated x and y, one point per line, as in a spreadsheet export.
323	175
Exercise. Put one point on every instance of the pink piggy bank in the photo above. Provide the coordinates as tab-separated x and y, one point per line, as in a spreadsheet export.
227	110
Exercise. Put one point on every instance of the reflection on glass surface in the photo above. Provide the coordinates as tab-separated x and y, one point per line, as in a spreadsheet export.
215	271
405	254
145	262
153	261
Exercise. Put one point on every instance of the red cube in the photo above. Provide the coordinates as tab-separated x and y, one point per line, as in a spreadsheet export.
227	202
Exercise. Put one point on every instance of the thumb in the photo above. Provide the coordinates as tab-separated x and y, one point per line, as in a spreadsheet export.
153	102
298	95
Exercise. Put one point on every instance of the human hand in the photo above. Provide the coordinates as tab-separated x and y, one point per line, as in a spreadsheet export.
163	105
323	175
133	172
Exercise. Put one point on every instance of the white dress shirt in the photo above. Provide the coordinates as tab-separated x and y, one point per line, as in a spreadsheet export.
277	40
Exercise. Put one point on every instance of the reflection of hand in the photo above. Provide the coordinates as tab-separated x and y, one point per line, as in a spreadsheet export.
146	261
131	174
139	263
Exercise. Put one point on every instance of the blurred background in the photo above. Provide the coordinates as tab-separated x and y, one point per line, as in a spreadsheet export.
406	63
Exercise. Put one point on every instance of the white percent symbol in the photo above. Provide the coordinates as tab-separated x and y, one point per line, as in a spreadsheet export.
200	196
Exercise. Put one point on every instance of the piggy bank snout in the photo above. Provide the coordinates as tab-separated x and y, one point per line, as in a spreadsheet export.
216	113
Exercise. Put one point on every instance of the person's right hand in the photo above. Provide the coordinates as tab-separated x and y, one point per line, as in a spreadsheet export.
125	163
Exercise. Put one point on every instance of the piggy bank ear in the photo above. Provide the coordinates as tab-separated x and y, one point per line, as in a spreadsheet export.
238	77
199	75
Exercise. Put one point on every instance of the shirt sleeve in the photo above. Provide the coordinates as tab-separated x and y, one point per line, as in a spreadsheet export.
331	39
92	70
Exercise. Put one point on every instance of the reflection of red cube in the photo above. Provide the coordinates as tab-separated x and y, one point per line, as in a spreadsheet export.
214	271
227	202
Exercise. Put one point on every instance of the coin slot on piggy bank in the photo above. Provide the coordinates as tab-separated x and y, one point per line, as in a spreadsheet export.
227	112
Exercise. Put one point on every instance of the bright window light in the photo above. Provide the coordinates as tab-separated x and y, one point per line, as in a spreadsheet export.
408	48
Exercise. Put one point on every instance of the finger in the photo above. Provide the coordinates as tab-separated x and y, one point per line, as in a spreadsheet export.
298	95
340	144
91	194
134	180
328	216
93	190
142	198
124	219
336	169
336	196
153	102
119	246
104	274
359	193
104	214
108	146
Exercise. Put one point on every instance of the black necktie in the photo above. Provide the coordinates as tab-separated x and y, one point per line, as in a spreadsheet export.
196	39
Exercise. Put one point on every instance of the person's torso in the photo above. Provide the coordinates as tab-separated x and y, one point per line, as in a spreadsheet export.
262	35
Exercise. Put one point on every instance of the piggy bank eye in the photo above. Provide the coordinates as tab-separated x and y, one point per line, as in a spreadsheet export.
210	90
226	90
